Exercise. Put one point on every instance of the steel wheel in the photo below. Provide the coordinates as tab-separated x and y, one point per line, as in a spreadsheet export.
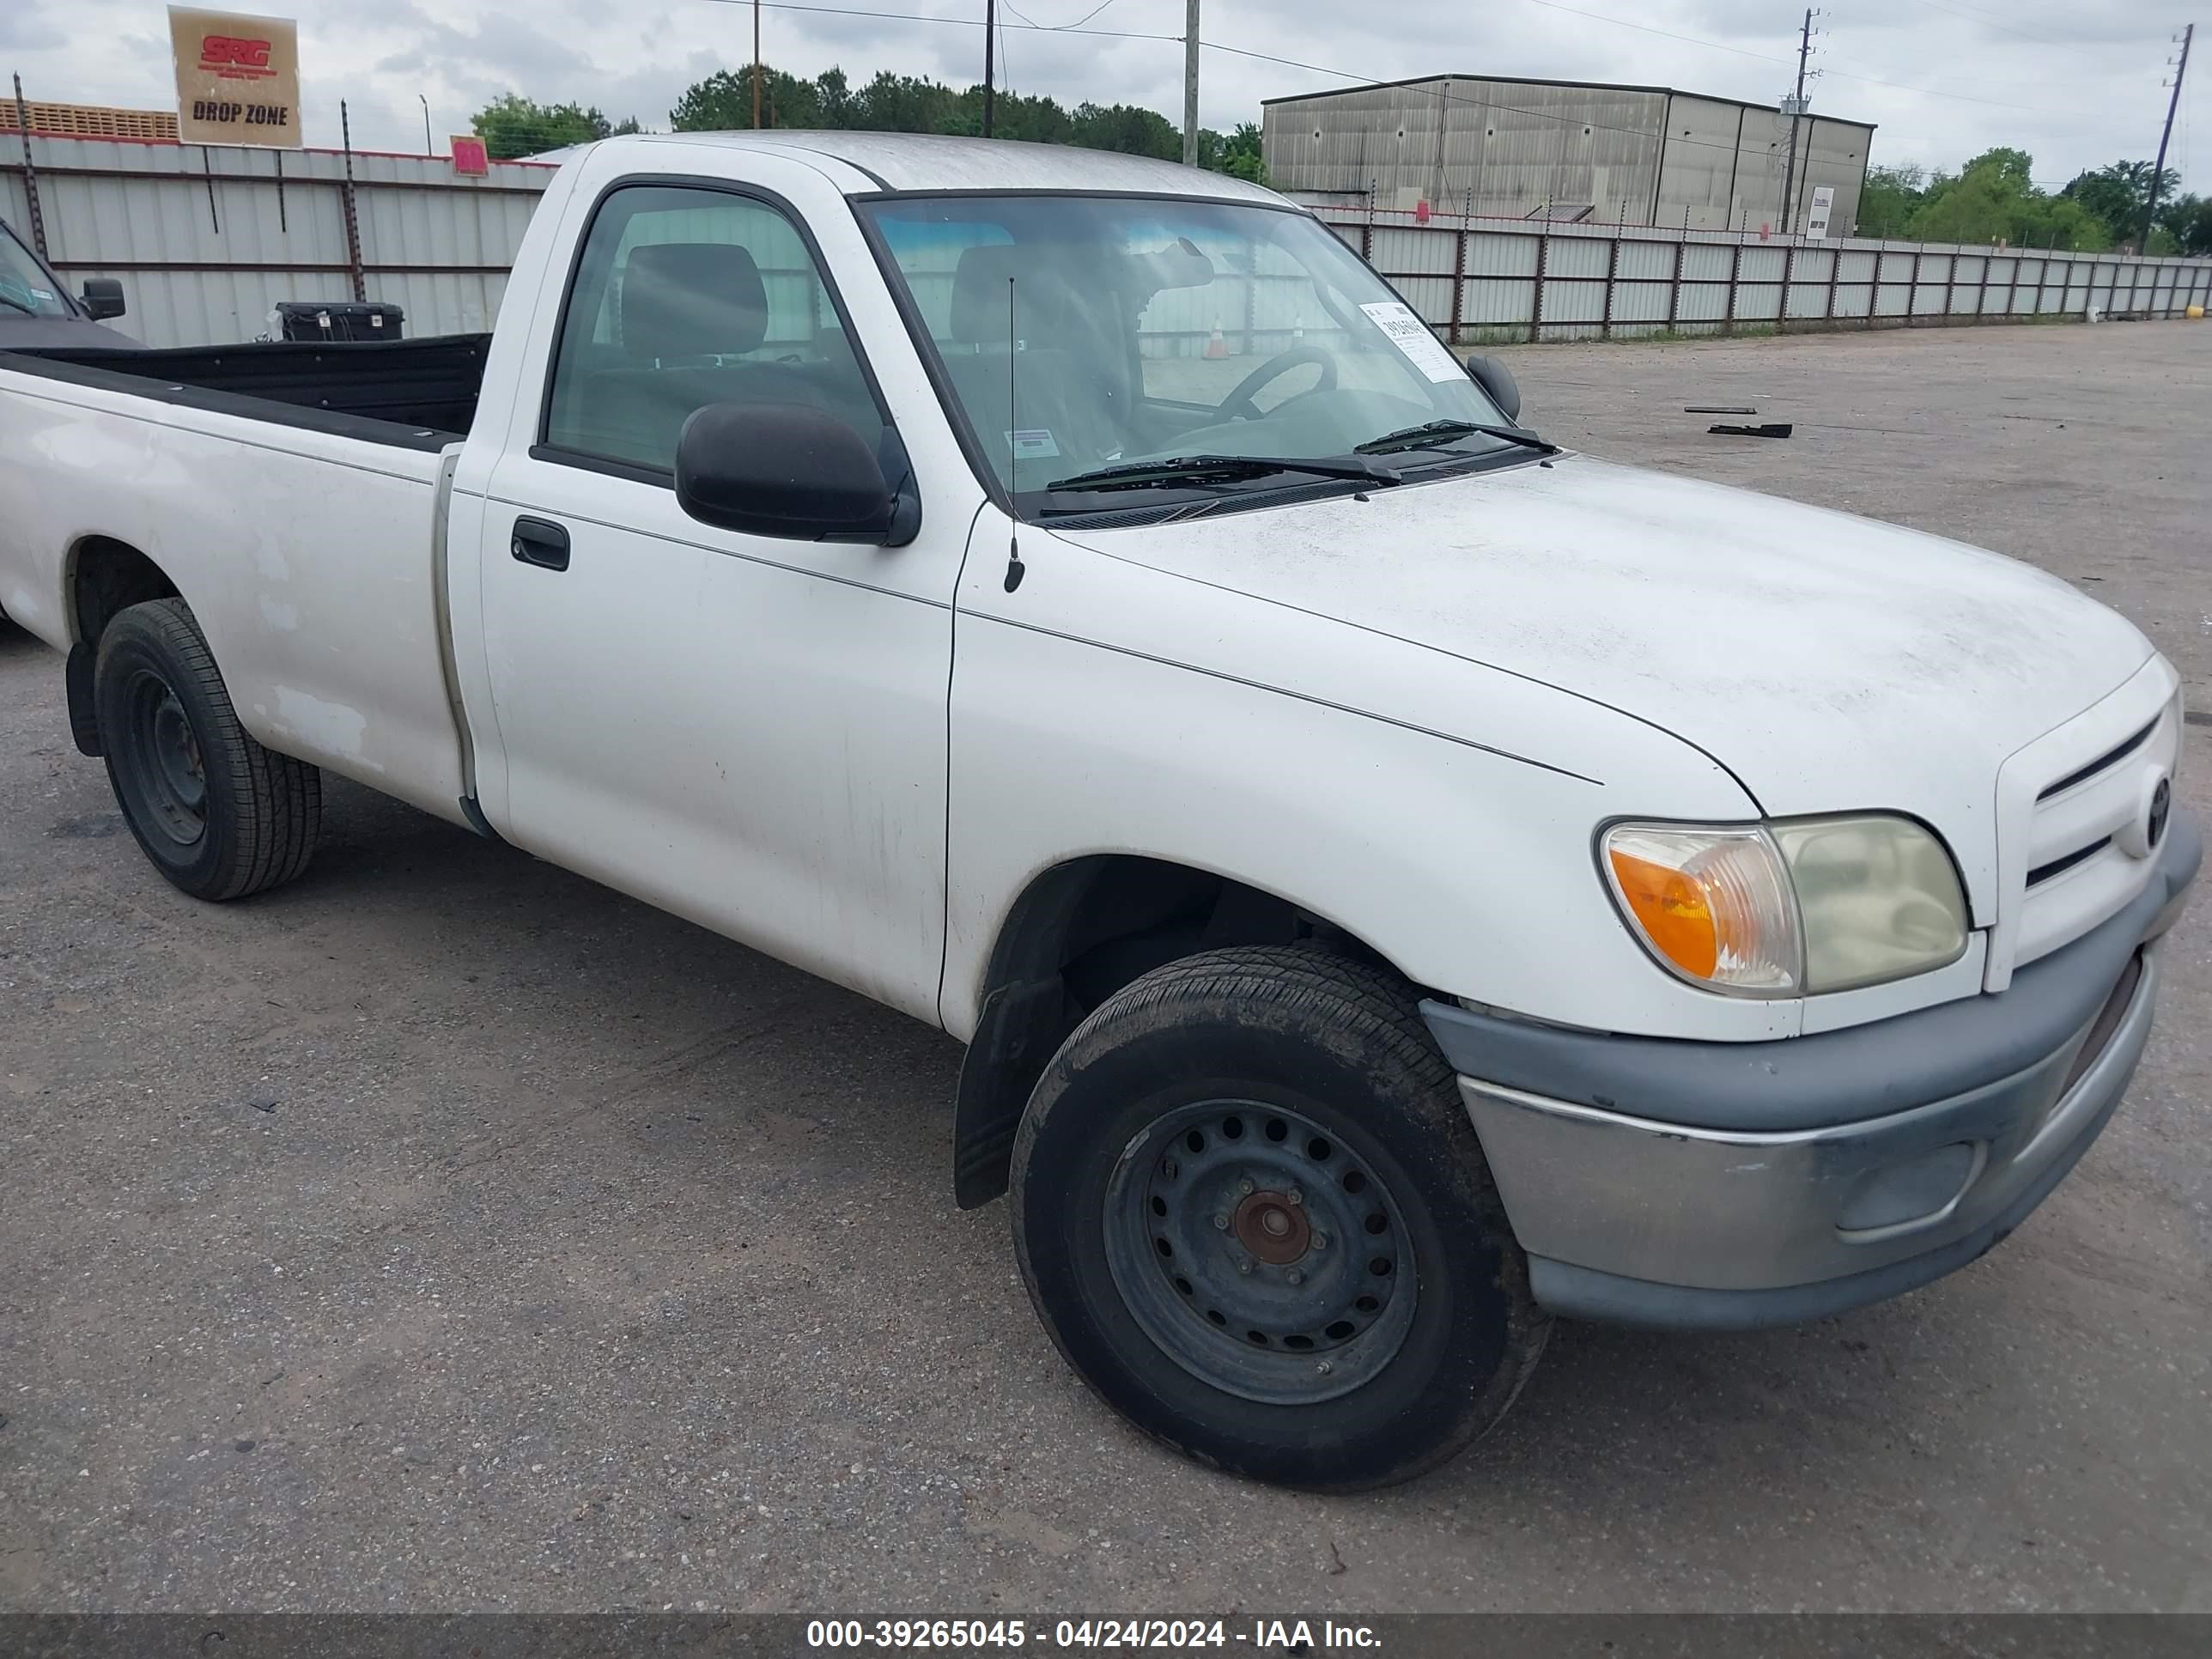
160	761
1259	1254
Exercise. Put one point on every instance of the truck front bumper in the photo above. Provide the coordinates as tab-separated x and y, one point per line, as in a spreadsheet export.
1726	1186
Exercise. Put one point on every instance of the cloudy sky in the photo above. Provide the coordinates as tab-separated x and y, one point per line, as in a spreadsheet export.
2075	82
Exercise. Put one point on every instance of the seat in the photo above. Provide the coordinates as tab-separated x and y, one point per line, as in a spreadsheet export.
686	310
1068	378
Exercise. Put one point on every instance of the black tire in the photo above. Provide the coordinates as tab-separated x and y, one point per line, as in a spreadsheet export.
219	815
1237	1044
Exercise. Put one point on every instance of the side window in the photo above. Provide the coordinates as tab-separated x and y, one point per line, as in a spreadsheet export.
684	297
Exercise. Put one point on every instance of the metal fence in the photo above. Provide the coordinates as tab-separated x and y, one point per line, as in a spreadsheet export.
206	239
1490	279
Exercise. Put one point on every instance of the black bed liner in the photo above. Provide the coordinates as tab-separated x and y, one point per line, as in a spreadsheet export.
414	394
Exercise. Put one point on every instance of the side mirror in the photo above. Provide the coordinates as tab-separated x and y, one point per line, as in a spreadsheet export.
1494	378
790	470
103	298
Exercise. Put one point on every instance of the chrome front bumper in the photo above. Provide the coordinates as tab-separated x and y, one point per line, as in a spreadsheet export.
1897	1153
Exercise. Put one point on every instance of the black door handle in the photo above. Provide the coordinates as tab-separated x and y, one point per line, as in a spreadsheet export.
540	542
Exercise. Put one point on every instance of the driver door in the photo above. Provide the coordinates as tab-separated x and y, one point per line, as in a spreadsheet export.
745	730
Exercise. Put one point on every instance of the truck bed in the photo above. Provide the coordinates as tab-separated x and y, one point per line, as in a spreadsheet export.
416	393
304	530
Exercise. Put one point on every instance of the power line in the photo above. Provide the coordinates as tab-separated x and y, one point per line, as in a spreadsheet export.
1975	14
1235	52
805	6
1646	28
1767	58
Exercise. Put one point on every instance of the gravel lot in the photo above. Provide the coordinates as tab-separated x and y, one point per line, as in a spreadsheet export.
446	1232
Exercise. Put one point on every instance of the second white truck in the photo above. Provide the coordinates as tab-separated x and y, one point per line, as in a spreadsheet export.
1399	881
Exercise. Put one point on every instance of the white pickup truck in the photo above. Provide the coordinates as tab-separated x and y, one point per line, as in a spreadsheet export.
1399	881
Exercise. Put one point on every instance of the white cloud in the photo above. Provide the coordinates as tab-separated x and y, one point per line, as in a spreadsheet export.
2075	83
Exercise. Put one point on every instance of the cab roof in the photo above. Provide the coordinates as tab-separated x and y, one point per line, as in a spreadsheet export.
928	161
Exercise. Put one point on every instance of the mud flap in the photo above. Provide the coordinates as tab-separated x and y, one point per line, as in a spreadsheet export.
1013	1040
76	675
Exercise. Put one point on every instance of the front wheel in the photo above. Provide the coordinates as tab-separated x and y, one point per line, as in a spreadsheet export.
1251	1209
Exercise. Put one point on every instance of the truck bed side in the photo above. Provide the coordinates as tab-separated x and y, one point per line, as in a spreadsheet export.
309	554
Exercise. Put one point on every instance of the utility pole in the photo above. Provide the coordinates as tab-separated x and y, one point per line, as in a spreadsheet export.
756	63
2158	167
1190	84
990	47
1796	112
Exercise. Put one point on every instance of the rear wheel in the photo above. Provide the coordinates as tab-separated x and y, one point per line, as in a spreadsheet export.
219	815
1251	1209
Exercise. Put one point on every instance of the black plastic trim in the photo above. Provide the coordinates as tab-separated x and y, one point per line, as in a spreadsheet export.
2112	756
83	716
939	192
2065	861
391	435
1830	1077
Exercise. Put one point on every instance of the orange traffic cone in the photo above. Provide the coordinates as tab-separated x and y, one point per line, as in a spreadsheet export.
1216	346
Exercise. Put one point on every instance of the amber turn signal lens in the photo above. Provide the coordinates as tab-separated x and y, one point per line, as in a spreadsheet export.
1673	911
1713	904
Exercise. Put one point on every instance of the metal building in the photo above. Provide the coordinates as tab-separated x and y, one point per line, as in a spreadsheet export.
1566	150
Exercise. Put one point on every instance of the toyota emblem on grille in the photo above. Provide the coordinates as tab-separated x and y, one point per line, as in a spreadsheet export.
2161	807
2140	833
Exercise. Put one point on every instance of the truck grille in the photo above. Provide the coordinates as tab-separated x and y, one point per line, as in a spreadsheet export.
2082	862
2104	762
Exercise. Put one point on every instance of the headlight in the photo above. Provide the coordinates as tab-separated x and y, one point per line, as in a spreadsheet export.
1790	909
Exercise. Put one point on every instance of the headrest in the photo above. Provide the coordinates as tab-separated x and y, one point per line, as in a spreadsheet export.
979	292
692	300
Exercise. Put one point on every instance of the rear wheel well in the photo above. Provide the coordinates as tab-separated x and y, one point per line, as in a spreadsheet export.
1079	933
106	578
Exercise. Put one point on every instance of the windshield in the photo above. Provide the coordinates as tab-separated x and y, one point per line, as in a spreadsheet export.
1080	333
23	286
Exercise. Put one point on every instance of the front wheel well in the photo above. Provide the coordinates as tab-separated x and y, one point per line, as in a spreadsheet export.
106	577
1078	933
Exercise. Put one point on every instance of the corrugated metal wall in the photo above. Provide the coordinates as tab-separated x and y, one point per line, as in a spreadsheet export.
207	239
1479	279
1506	149
205	242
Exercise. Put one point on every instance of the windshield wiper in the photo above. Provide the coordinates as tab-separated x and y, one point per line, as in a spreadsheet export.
1434	434
1186	469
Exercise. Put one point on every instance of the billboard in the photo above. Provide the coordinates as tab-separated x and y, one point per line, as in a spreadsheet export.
238	78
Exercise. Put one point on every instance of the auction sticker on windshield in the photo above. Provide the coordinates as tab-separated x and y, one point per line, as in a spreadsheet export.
1411	336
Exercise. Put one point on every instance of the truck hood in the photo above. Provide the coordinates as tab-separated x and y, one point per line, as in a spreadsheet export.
1831	663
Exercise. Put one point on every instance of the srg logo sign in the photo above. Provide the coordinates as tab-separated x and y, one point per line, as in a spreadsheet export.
236	56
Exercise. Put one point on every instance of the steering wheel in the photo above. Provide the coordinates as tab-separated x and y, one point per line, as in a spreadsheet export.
1238	404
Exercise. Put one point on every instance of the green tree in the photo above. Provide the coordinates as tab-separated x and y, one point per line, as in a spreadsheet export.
723	103
1994	198
1128	128
888	102
2188	220
2118	194
1889	199
513	126
1237	153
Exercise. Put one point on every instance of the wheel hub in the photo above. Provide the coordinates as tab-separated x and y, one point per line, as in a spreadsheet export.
1273	1226
1260	1253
